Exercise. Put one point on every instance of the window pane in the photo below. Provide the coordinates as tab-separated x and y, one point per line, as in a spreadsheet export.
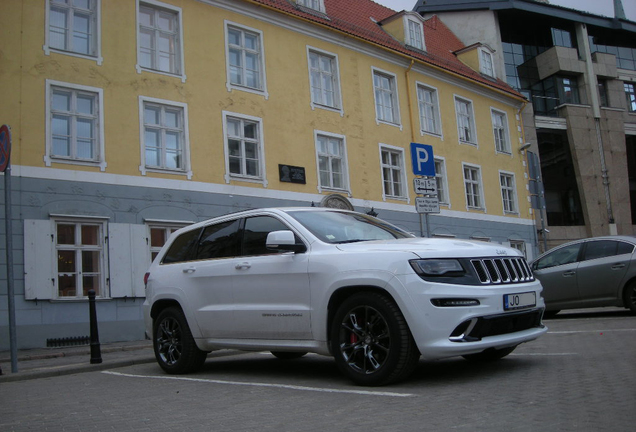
250	130
151	138
157	237
85	104
61	125
61	101
58	27
172	119
65	234
84	128
90	282
172	140
90	261
67	285
181	247
218	241
151	115
255	234
66	261
90	235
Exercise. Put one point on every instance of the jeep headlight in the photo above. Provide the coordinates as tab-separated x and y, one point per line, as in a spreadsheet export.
437	267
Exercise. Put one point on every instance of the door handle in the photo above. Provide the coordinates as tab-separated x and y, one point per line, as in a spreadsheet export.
189	270
569	273
618	266
243	265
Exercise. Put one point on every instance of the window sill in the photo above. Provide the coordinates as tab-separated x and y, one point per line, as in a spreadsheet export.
252	90
315	106
379	122
145	170
141	69
96	58
49	160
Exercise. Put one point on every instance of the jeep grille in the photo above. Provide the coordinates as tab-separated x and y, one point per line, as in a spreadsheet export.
494	271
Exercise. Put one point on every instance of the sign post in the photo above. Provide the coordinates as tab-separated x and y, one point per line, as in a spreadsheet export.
424	165
5	167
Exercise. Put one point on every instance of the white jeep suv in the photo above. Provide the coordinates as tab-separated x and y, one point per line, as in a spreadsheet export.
339	283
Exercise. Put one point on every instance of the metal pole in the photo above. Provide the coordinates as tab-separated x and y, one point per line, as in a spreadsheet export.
10	292
428	227
96	354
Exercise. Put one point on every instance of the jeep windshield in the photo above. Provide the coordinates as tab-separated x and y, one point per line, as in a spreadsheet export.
341	227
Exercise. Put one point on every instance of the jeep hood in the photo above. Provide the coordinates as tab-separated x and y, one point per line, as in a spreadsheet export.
432	248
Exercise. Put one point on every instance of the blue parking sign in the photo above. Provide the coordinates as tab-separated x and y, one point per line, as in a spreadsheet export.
423	160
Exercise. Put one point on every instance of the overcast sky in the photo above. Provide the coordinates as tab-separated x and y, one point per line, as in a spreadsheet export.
599	7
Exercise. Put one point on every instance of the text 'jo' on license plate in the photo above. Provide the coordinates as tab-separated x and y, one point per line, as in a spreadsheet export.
519	301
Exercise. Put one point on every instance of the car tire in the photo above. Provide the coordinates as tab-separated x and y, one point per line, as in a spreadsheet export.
286	355
175	348
629	296
491	354
371	341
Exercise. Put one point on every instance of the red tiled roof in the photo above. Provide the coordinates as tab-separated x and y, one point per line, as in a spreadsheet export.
359	18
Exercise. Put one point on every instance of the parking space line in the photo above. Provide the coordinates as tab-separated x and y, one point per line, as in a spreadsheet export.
543	354
283	386
591	331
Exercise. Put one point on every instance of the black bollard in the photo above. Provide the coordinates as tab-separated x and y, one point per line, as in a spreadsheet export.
96	354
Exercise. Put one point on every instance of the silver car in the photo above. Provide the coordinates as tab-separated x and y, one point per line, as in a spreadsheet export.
593	272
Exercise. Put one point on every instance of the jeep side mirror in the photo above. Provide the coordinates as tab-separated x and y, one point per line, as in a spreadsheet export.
284	241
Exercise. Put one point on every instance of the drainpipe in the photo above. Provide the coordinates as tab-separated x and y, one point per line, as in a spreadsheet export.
408	96
592	83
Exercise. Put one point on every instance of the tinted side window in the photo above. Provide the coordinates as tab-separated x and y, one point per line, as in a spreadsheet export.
600	249
564	255
218	241
181	248
625	248
255	234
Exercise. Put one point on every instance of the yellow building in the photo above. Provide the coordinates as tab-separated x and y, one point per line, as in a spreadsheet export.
131	118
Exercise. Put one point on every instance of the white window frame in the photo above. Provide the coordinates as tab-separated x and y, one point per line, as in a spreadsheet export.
335	81
49	157
509	193
262	90
487	62
317	5
345	163
473	183
442	181
501	132
186	169
435	106
520	245
262	177
96	41
409	38
104	291
179	61
465	120
404	196
393	95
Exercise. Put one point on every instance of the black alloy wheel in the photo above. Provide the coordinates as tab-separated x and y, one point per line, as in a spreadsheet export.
371	341
175	348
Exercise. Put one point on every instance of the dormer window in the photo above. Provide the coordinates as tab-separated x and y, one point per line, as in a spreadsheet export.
486	62
414	33
317	5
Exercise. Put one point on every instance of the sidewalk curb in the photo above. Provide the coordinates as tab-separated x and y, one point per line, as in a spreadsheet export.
73	369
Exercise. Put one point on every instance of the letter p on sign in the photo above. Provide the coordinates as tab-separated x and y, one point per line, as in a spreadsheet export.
423	160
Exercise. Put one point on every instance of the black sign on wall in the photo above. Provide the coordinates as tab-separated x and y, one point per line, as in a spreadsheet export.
291	174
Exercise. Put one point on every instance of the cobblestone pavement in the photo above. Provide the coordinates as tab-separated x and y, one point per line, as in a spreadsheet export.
580	376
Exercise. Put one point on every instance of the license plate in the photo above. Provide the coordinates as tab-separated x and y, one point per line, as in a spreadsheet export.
519	301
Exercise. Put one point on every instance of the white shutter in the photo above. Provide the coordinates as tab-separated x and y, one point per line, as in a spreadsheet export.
129	258
39	260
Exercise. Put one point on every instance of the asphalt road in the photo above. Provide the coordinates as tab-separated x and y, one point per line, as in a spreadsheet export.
580	376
